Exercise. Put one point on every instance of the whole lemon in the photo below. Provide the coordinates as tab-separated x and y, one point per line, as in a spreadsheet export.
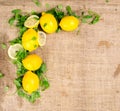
48	23
32	62
69	23
30	82
30	40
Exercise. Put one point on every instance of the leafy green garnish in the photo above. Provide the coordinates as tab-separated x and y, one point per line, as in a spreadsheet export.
20	68
58	30
16	15
6	88
95	20
47	5
58	13
60	6
41	70
70	12
35	13
31	98
1	75
90	18
37	3
21	54
20	19
44	82
107	1
16	11
16	40
18	82
3	45
11	20
22	30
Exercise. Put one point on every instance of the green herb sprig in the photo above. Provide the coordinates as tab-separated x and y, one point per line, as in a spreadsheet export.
90	17
18	20
1	74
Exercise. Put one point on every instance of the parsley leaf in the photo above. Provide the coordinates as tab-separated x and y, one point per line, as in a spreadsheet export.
11	20
20	19
21	54
41	70
6	88
95	20
16	40
91	17
18	82
16	11
20	68
107	1
3	45
22	30
58	13
47	5
31	98
70	12
58	30
60	6
37	3
1	75
44	82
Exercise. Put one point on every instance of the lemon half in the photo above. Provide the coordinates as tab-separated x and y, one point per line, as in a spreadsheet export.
13	49
41	38
32	21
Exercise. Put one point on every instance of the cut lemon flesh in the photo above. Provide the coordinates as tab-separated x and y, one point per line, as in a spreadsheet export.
13	49
32	21
41	38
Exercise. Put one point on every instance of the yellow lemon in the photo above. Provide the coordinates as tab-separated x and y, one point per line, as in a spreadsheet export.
48	23
32	62
30	82
30	40
69	23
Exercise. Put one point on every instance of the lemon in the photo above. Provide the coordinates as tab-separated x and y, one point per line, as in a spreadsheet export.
30	82
69	23
48	23
41	38
32	21
13	49
30	40
32	62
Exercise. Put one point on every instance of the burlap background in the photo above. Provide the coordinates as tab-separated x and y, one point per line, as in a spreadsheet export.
83	69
